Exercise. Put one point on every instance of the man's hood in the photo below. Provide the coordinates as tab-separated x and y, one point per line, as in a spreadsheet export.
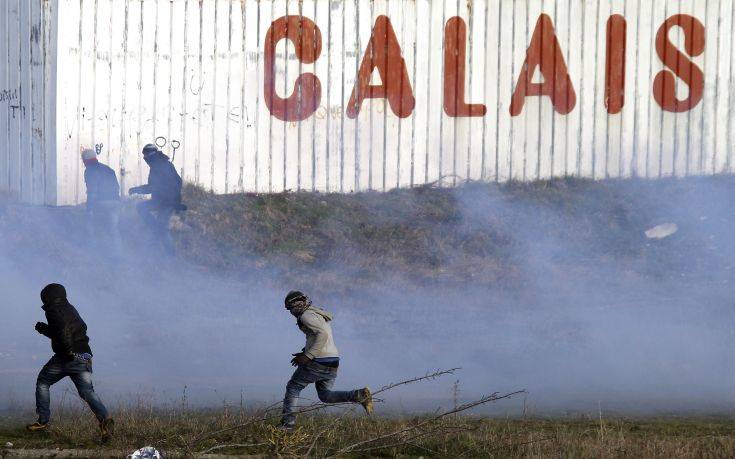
327	315
55	303
154	157
53	294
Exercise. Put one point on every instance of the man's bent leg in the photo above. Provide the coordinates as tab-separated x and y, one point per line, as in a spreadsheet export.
301	378
146	211
50	374
327	395
82	378
156	219
164	233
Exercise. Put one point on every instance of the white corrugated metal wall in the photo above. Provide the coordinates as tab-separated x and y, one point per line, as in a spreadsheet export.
27	110
194	70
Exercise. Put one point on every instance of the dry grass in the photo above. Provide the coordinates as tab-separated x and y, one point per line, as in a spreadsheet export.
180	431
477	234
322	435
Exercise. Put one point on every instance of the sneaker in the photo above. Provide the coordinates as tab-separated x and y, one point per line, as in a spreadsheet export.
107	428
37	427
365	398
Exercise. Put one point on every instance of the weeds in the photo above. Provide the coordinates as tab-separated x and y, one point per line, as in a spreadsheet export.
180	431
475	234
323	434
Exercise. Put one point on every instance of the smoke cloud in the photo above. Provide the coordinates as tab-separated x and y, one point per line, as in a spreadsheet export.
593	314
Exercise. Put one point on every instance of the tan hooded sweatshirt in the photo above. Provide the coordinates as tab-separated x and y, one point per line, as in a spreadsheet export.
314	322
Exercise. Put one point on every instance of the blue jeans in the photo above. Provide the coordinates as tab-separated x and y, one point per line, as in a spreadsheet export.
80	372
323	377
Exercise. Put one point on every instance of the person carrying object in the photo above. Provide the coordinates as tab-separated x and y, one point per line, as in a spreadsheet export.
164	185
317	362
72	357
103	202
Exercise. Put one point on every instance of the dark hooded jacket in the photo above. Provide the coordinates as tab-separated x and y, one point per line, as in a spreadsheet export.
101	183
67	330
164	183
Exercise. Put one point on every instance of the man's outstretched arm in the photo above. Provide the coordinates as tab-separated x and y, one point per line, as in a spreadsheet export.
142	189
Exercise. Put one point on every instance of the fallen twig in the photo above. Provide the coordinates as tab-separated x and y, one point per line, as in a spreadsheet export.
409	440
486	399
323	431
434	375
264	416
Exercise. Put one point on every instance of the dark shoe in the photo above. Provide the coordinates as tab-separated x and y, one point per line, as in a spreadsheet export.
37	427
365	398
107	428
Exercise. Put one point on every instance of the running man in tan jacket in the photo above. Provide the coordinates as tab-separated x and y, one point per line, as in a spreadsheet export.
318	362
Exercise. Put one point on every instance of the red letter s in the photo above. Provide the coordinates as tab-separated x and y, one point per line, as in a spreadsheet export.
664	84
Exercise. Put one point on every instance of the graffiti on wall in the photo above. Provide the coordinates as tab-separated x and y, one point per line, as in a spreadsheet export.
8	95
11	97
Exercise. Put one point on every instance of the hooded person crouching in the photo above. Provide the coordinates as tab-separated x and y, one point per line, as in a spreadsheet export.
72	357
318	361
164	185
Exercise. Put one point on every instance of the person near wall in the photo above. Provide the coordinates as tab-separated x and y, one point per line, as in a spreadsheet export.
317	362
164	186
103	202
72	357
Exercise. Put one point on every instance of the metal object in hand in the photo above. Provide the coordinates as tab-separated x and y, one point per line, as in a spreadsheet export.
175	144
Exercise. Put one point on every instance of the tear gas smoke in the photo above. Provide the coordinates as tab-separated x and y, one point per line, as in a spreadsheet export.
589	324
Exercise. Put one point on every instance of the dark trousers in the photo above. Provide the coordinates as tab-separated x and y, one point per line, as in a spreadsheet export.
321	376
80	372
157	217
103	219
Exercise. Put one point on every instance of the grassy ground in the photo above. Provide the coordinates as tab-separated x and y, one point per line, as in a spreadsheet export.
476	234
327	434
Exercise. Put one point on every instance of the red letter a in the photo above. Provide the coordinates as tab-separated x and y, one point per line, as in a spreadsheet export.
545	54
384	53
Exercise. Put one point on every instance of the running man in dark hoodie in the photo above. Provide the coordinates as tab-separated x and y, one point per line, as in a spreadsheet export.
317	362
72	358
164	186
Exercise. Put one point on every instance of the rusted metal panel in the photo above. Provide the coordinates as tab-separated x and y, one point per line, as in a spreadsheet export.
492	90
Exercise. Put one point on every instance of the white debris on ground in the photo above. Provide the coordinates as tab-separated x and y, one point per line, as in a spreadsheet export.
147	452
8	445
662	231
